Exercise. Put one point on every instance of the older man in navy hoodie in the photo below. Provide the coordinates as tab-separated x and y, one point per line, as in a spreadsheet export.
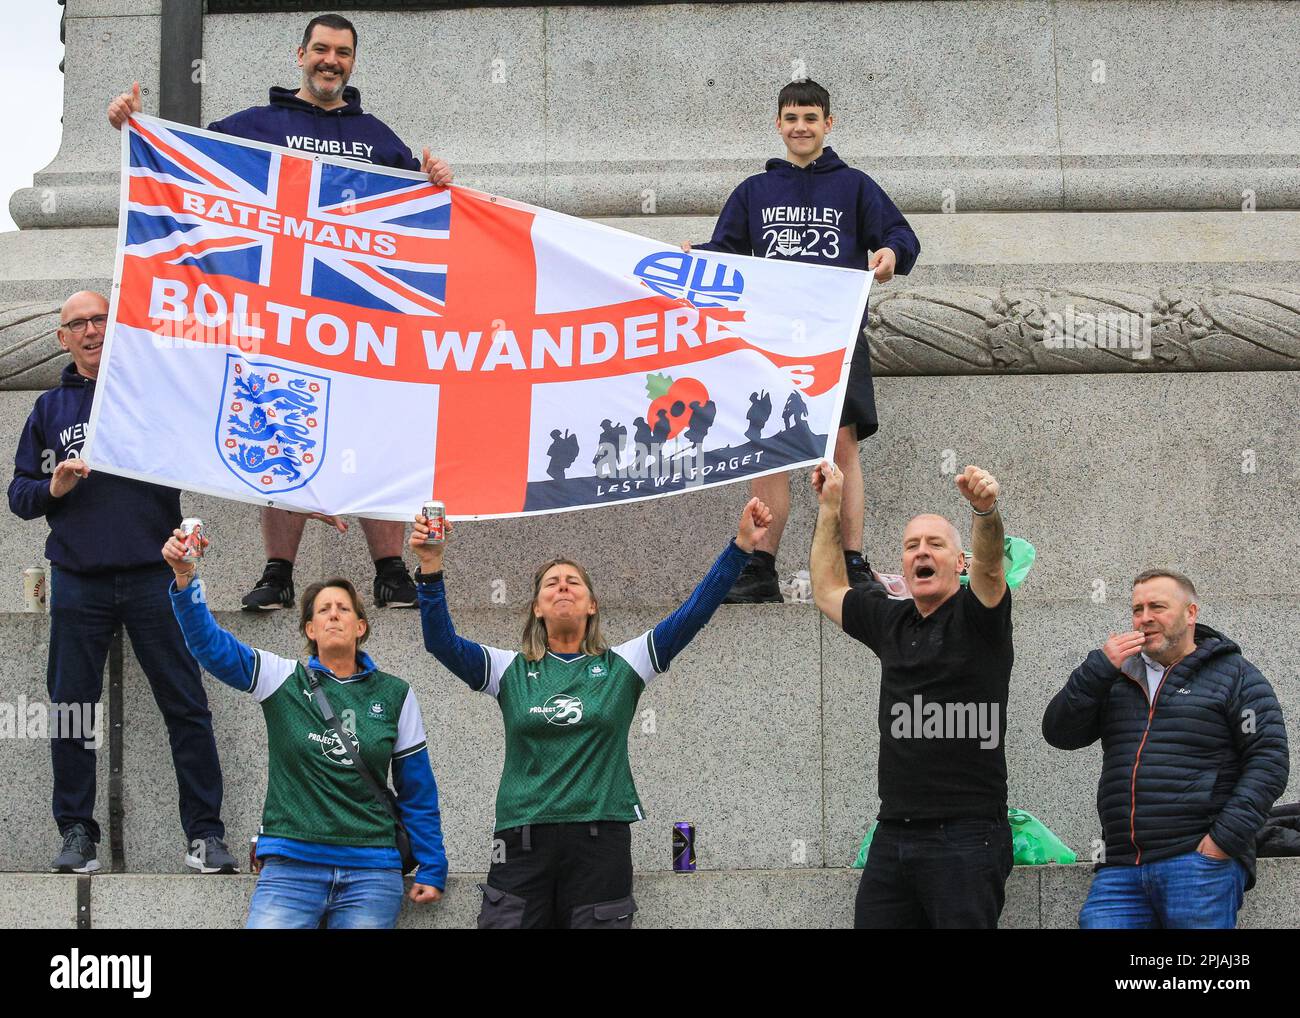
105	532
324	115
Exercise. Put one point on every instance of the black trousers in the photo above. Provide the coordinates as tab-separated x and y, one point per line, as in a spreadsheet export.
935	874
560	876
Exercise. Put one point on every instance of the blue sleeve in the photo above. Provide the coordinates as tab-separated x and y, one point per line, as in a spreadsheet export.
417	801
731	233
880	224
465	659
29	491
673	634
406	158
397	153
217	651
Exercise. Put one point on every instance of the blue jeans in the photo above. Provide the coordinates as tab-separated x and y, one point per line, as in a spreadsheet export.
293	895
1188	892
84	609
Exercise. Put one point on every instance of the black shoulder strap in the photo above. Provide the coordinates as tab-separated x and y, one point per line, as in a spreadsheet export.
354	749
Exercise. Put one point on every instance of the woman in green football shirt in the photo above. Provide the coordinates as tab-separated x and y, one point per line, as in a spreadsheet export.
566	800
327	846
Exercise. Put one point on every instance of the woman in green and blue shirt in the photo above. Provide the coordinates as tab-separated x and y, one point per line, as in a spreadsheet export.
566	800
327	845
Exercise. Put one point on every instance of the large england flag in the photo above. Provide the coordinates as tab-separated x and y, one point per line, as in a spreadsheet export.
304	332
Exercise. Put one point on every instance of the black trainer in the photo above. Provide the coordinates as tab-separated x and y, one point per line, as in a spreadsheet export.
756	584
274	590
860	575
78	854
394	587
210	856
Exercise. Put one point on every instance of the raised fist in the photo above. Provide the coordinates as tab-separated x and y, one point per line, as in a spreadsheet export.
978	487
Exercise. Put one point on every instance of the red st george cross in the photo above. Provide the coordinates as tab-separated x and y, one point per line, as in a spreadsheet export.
491	284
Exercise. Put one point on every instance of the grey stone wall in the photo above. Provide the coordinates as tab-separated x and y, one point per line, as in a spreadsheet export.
597	111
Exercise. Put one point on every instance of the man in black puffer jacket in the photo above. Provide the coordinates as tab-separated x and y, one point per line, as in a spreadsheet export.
1194	754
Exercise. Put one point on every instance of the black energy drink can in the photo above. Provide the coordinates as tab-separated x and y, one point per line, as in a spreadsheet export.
683	847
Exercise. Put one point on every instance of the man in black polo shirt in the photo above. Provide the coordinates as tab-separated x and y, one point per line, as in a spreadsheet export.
941	853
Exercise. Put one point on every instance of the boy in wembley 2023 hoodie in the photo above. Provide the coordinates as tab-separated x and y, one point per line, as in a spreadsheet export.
813	207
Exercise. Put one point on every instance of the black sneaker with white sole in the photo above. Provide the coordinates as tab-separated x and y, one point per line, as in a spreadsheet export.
273	591
210	856
394	587
78	854
756	584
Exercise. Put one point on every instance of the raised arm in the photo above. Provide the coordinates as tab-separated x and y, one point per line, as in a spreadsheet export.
673	634
988	579
468	661
830	579
216	650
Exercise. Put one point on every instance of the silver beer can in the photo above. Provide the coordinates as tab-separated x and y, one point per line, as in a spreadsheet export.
34	589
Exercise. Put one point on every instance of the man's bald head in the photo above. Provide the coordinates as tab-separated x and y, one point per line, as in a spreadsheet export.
82	320
927	520
81	303
932	560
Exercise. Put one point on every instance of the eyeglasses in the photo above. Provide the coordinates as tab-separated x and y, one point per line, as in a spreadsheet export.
78	325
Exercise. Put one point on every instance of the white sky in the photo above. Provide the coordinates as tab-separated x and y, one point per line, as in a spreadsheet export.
30	52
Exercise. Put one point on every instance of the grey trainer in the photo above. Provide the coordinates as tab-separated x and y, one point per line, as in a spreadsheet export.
78	854
211	856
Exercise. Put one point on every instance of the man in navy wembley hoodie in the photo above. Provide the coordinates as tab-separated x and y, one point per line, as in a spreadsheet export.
106	533
324	115
813	207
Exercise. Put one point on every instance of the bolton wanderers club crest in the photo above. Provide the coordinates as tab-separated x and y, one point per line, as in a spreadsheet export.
271	424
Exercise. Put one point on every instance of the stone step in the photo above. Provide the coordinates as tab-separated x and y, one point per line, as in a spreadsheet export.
1104	474
763	733
1038	897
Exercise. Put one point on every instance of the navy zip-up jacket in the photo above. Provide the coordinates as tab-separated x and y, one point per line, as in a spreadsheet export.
346	132
1207	756
826	213
105	523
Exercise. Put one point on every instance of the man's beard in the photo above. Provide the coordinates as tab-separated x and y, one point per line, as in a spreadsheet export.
1172	638
323	94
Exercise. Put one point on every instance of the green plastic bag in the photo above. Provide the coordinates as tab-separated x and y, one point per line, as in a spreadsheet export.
1017	557
1032	842
861	860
